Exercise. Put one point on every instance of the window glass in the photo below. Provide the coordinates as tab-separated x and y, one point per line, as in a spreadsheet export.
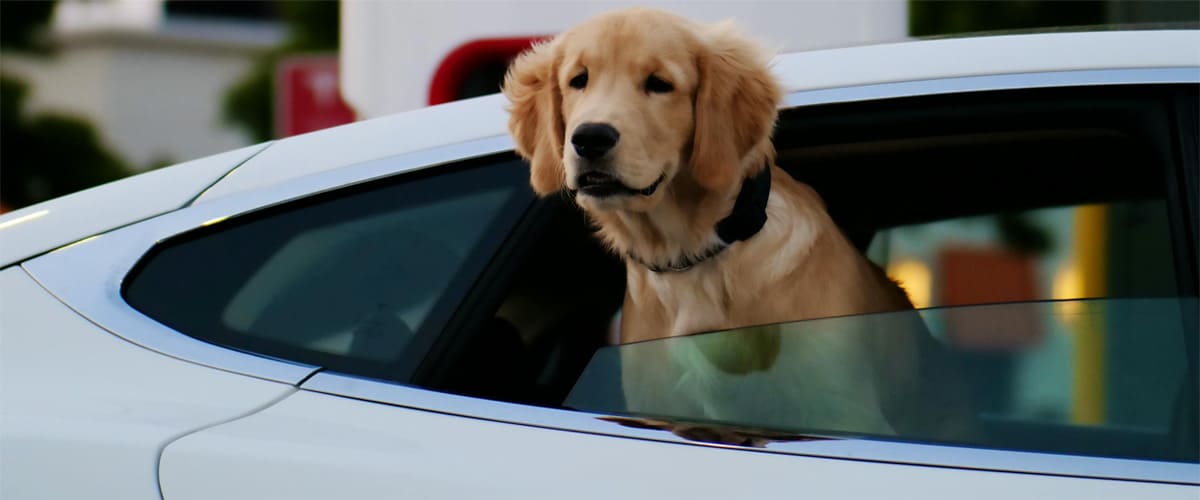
345	281
1113	377
1117	249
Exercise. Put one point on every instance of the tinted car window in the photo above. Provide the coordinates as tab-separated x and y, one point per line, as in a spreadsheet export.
1095	377
1120	249
349	280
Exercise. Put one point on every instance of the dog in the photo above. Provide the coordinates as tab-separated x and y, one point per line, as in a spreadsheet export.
661	128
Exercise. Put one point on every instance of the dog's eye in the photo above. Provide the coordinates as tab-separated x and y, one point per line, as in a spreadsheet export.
658	85
580	80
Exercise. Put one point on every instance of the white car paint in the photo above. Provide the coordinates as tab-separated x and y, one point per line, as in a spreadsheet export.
45	226
995	55
314	445
484	117
84	414
360	142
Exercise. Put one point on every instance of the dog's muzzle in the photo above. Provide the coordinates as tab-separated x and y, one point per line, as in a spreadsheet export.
602	185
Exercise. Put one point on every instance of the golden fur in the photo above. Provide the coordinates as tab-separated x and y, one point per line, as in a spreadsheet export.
703	137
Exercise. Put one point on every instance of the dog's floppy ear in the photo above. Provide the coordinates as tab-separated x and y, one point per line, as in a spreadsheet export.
735	105
535	119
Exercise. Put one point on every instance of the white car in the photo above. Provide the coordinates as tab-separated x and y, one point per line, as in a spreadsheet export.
384	310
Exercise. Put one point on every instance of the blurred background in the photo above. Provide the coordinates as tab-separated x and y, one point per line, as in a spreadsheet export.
94	90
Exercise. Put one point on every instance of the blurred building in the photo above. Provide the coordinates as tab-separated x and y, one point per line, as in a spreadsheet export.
150	74
398	56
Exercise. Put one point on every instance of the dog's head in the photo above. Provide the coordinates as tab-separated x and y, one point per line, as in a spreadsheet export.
632	102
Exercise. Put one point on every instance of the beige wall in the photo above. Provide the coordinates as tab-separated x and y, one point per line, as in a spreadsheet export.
390	50
152	98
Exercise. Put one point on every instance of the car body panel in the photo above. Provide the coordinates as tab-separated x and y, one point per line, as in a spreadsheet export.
94	408
38	228
320	446
866	66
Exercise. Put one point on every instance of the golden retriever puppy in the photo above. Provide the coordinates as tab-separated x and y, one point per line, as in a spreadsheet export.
657	125
661	129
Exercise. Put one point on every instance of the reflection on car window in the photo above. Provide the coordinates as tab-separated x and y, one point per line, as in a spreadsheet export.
1120	249
1112	377
346	281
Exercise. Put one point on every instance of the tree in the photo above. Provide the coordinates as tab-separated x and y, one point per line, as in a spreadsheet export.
249	103
21	22
47	155
44	155
948	17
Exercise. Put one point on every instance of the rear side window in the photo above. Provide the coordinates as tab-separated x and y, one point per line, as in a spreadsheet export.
355	281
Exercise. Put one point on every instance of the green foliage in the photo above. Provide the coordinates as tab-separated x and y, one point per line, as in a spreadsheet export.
948	17
1020	233
249	104
47	155
21	22
311	25
44	155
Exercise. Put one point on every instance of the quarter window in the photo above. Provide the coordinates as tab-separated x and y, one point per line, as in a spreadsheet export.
351	281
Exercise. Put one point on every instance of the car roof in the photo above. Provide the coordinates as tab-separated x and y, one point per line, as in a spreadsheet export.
936	59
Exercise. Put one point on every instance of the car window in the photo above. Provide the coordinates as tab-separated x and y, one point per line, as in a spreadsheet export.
347	280
1096	377
1119	249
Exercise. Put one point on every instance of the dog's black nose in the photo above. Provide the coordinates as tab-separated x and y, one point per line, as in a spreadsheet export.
592	140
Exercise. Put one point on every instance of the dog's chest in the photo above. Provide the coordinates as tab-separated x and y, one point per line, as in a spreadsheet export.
696	301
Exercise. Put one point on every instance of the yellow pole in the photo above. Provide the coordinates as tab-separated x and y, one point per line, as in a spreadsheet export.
1091	257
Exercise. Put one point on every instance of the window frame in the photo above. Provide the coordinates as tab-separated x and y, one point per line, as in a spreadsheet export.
94	292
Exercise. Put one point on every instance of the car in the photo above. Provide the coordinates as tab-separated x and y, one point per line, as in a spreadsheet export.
384	309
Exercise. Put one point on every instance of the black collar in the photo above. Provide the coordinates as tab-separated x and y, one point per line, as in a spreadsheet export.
747	218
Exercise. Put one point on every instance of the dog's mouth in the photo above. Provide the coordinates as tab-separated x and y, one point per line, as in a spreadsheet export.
602	185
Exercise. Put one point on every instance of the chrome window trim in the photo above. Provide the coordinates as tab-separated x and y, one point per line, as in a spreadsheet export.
931	455
94	292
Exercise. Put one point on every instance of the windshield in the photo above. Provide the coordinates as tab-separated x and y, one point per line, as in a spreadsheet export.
1112	378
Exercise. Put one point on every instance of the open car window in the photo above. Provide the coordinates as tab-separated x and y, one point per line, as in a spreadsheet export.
1111	378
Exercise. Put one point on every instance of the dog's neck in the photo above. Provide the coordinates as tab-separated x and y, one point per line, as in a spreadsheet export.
690	226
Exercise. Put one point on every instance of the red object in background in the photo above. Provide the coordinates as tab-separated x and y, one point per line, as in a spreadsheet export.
459	63
308	96
989	276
